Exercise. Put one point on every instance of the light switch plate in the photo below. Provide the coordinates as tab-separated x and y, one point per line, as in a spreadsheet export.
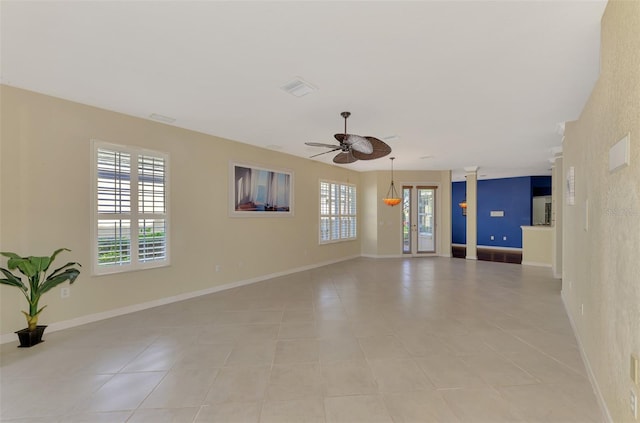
619	154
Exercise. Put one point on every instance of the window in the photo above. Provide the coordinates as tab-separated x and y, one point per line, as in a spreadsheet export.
338	219
130	217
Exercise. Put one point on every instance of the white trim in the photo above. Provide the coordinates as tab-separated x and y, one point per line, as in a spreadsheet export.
134	215
592	379
437	212
90	318
535	263
337	216
471	257
537	228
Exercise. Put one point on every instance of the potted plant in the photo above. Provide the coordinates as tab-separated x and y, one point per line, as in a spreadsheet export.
35	269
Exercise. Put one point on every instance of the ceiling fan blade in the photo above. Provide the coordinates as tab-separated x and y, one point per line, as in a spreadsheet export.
359	143
319	144
380	149
344	158
325	152
340	137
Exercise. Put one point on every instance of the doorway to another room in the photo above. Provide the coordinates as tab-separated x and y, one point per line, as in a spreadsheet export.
418	219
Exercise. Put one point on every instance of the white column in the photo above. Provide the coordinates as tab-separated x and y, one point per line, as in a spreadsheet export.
557	199
443	231
472	212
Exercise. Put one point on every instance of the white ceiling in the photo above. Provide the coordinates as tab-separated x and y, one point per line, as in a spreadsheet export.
470	83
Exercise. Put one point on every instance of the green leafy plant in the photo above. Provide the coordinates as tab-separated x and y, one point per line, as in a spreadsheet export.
35	269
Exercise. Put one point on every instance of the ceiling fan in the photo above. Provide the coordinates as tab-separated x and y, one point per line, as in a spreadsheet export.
353	147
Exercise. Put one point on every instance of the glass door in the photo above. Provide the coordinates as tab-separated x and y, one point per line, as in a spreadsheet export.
418	219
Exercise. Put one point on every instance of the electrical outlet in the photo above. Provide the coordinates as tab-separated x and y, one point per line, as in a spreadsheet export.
65	292
634	405
218	267
492	237
582	309
504	238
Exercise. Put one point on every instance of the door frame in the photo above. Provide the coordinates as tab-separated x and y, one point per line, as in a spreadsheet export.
437	218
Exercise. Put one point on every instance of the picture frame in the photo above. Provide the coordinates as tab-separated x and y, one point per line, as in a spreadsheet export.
260	191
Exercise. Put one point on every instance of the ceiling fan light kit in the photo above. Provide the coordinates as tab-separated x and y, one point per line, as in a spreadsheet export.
392	198
353	147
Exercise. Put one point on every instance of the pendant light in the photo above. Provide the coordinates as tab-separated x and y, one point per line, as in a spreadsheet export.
463	204
392	198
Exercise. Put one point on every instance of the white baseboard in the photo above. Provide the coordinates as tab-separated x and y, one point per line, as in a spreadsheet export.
471	257
535	263
90	318
376	256
587	365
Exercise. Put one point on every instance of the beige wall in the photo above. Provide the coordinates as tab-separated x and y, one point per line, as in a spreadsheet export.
600	260
389	225
557	200
46	203
537	245
369	213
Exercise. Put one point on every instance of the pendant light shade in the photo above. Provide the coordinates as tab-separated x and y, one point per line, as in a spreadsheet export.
463	204
392	198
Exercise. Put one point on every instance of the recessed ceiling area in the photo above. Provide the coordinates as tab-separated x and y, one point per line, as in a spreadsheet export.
452	83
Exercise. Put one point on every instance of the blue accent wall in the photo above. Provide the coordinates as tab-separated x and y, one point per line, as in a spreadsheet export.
514	196
541	185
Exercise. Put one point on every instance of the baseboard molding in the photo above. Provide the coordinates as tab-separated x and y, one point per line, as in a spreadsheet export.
90	318
376	256
535	263
592	379
471	257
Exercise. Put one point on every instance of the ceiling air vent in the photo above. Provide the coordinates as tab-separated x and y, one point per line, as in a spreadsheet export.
298	87
161	118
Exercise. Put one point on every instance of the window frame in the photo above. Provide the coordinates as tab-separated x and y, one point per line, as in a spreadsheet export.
338	212
134	215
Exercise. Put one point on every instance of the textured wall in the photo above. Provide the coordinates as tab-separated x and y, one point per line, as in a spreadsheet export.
601	267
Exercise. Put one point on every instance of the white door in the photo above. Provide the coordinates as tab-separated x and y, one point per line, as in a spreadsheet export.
418	219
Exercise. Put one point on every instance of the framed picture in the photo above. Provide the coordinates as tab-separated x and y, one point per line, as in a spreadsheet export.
256	191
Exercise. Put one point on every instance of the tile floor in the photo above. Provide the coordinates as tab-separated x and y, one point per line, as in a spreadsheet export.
388	340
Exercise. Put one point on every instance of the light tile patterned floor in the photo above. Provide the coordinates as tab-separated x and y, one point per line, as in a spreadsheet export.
388	340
